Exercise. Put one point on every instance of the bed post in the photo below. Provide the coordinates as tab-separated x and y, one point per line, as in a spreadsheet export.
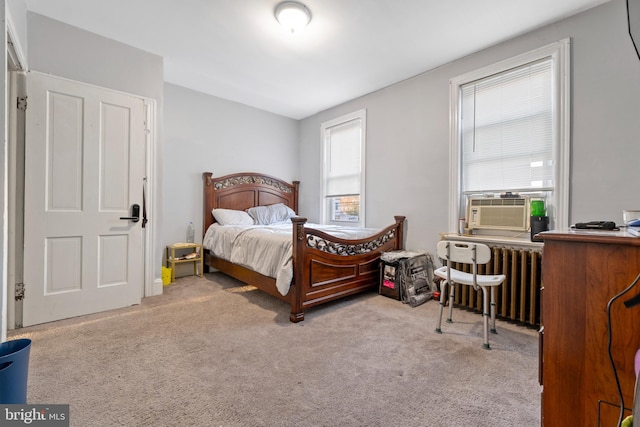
207	217
207	200
298	287
296	189
400	232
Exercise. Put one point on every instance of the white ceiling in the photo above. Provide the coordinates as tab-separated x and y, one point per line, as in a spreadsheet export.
235	49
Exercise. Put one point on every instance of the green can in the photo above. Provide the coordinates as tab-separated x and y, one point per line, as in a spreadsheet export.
537	208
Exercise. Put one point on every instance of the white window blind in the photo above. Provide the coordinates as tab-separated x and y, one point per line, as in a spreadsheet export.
507	130
343	159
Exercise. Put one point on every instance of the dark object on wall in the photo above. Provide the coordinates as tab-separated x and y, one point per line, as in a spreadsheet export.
633	21
538	225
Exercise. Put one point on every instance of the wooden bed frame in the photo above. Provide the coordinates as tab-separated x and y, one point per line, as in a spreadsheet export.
325	268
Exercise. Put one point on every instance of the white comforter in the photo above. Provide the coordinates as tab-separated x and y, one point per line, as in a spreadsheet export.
267	249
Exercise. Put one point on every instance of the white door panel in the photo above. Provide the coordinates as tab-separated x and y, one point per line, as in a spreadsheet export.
84	169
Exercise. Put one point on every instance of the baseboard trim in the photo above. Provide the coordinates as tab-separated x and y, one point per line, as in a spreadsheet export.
156	288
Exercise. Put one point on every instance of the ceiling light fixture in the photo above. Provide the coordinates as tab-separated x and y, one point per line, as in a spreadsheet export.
293	16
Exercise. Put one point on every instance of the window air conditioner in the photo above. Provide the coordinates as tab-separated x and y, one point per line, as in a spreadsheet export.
498	213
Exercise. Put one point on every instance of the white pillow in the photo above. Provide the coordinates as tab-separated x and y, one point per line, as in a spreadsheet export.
272	214
232	217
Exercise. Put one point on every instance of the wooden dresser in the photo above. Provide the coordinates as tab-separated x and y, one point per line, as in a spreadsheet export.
581	272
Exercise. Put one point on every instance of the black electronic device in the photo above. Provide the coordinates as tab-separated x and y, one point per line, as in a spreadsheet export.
538	225
596	225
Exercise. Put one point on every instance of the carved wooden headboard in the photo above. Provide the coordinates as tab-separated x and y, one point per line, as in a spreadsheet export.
241	191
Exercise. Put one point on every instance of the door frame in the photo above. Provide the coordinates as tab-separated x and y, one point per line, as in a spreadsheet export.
15	216
151	286
15	66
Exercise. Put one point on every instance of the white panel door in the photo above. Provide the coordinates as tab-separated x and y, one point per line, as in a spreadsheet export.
84	170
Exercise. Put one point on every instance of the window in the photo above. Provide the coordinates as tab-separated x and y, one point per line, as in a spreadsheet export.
343	145
506	130
510	131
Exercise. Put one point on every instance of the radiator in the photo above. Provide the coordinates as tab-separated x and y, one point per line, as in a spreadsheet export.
519	296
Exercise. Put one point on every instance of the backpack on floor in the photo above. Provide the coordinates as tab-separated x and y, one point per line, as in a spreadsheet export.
414	275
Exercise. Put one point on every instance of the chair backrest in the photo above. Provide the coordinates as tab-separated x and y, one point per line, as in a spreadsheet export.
464	252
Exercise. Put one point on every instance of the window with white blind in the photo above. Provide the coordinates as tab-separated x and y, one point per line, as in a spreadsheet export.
510	131
343	142
506	130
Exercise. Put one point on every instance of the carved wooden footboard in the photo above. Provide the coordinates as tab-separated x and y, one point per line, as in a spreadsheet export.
325	268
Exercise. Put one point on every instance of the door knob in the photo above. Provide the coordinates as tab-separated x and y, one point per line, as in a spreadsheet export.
135	214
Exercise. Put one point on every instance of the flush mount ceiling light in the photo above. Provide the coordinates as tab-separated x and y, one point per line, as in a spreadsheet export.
293	16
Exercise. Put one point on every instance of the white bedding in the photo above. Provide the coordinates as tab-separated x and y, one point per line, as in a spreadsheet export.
267	249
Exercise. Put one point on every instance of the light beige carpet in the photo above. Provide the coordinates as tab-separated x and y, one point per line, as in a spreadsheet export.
210	352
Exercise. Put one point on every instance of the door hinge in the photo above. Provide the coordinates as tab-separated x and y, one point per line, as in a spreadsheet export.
19	291
22	103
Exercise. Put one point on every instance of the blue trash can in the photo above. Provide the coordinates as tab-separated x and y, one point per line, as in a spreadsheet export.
14	370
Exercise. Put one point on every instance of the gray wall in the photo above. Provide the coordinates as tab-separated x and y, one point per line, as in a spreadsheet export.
16	11
67	51
208	134
408	130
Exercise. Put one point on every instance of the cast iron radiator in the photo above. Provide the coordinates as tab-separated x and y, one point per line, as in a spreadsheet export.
519	295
